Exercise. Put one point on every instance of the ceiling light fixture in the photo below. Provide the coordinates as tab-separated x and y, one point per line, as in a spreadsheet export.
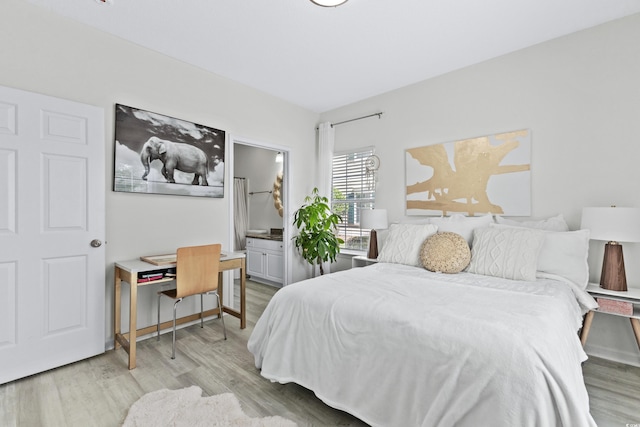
328	3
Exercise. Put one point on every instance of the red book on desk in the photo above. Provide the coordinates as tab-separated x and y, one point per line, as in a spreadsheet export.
150	278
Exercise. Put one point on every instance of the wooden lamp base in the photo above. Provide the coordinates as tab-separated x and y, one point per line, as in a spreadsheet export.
373	245
613	276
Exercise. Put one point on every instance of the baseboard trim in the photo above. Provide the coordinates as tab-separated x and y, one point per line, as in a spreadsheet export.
613	355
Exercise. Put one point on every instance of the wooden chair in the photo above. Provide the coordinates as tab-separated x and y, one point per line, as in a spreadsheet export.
197	270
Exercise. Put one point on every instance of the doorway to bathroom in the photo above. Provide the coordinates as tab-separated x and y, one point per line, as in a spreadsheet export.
259	209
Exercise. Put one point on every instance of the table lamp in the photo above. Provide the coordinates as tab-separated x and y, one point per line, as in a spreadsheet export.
374	219
613	225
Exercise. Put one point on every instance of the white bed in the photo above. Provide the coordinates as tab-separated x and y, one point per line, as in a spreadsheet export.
397	345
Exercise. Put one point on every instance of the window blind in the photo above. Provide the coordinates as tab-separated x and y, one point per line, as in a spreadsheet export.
353	190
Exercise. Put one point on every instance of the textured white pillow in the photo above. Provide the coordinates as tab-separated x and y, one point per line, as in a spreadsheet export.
508	252
462	225
555	223
403	243
564	254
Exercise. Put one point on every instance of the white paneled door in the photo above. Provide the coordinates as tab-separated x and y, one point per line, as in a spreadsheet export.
52	257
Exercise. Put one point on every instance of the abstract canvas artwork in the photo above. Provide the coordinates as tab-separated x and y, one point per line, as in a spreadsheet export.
487	174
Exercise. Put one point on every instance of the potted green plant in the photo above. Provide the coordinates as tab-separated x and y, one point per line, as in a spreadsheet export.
316	240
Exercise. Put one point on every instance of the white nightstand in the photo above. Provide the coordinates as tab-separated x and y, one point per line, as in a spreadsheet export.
624	304
362	261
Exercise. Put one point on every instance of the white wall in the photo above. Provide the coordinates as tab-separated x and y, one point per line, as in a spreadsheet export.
48	54
579	95
258	166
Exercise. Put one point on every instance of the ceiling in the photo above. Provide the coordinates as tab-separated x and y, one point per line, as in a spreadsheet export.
323	58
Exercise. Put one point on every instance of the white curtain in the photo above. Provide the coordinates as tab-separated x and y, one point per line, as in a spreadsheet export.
240	212
326	136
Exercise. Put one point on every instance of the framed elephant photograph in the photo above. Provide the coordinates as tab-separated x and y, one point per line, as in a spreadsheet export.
158	154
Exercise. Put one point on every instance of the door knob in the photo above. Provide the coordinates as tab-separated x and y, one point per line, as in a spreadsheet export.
95	243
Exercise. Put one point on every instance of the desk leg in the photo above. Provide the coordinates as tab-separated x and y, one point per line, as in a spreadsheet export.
220	293
243	287
586	325
133	322
117	291
635	324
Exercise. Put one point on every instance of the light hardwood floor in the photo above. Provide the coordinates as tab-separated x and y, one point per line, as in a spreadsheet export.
99	391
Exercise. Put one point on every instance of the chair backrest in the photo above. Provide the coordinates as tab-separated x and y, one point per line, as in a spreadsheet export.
197	269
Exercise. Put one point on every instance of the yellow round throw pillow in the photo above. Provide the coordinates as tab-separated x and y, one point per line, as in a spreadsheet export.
445	252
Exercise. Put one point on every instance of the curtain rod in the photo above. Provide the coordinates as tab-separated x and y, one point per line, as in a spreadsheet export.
357	118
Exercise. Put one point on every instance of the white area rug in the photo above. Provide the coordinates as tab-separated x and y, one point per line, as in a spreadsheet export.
186	407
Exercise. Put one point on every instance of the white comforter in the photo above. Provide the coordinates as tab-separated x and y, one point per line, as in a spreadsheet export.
399	346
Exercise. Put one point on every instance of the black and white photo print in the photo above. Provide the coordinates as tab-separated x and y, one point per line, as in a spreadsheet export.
164	155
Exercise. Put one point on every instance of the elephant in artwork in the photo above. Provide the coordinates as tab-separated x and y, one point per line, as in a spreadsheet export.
175	155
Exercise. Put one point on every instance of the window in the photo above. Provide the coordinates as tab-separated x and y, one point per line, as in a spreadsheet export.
354	189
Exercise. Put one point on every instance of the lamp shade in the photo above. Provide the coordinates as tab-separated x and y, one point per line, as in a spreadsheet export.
612	224
374	219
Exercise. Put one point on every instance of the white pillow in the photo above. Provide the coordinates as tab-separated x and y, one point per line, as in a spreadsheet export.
509	252
555	223
403	243
416	220
564	253
462	225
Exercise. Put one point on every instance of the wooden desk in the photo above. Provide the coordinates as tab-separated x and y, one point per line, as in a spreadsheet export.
128	271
